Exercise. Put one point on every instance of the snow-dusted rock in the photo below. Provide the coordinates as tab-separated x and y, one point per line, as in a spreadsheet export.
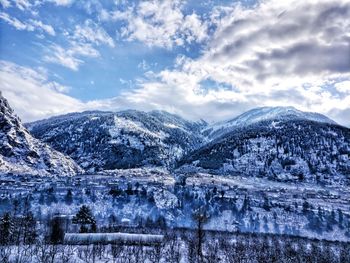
21	153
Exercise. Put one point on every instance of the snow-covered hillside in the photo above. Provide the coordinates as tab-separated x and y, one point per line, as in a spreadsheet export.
298	150
127	139
264	139
21	153
262	114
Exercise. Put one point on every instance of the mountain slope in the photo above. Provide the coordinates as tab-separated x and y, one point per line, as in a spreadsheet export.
127	139
281	150
21	153
262	114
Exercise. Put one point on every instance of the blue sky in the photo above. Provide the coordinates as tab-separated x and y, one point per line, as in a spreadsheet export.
200	59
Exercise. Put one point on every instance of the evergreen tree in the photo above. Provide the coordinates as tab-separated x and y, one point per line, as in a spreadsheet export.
29	228
340	218
69	197
83	218
306	207
246	205
266	204
6	229
41	198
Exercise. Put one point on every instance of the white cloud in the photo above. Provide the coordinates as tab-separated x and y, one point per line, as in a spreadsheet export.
279	42
143	65
90	32
82	42
70	56
5	3
32	95
159	23
47	28
15	22
30	25
23	4
343	86
62	2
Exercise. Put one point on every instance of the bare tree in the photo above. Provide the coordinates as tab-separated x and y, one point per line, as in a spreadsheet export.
67	252
200	217
44	252
5	252
172	249
116	251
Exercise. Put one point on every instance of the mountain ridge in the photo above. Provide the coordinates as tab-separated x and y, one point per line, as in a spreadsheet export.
105	140
258	114
119	140
21	153
299	150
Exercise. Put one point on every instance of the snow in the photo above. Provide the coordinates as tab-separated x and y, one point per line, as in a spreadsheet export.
165	199
171	125
262	114
133	126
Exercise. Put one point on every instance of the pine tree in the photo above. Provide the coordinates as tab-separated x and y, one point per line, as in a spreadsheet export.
29	228
6	229
246	205
266	204
340	218
84	217
69	197
306	206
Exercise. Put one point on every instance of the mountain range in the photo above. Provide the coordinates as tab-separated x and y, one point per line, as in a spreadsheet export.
127	139
281	143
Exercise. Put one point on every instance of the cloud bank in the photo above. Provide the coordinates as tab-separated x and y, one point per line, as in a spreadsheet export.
277	53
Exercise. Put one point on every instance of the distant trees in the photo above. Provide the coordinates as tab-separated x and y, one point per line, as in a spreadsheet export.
16	231
196	246
85	218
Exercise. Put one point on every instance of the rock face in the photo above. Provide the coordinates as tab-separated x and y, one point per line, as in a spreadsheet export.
128	139
292	149
21	153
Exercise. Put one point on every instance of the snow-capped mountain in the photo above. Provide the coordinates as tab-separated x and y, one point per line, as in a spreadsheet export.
21	153
262	114
126	139
283	149
267	141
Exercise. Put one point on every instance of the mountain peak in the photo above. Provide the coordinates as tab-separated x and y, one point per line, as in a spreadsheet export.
21	153
5	108
281	113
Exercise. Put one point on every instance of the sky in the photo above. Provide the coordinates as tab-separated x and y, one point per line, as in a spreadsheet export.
208	60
